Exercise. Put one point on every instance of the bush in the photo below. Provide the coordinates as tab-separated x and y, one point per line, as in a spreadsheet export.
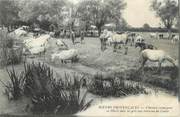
48	95
113	86
37	82
167	79
51	96
38	78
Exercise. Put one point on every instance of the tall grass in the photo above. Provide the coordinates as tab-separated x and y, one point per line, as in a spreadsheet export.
60	102
38	78
14	87
166	80
9	52
51	96
113	86
70	82
47	95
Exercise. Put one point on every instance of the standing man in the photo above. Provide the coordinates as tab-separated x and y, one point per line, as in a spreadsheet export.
82	36
103	38
73	37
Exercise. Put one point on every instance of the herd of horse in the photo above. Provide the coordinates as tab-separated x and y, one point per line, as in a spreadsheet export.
122	40
147	51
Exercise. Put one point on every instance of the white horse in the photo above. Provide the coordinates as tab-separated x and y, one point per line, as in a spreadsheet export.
156	56
175	39
120	39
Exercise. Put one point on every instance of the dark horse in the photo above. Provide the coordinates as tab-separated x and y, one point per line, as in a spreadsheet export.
144	46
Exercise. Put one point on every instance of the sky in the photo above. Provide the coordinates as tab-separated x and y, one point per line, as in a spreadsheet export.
138	12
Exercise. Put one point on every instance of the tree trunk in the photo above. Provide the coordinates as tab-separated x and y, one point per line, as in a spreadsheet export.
169	34
99	31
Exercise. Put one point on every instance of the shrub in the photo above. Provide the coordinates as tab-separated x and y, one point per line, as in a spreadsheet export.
167	79
37	78
51	96
37	82
69	82
113	86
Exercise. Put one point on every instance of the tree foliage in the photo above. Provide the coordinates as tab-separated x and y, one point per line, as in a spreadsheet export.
62	12
166	10
99	12
8	12
146	26
42	11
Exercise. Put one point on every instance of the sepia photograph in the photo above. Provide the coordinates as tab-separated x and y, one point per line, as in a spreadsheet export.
106	58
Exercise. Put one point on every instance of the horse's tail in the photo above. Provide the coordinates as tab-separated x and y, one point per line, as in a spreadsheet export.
171	60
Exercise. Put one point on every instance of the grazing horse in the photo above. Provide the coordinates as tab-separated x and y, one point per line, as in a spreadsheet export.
155	56
120	39
144	46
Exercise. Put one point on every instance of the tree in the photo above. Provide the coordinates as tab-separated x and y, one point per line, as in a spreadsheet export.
43	12
122	24
146	26
8	12
167	11
100	12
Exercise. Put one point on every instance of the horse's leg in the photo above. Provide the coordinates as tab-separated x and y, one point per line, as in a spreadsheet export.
101	44
131	43
126	49
159	67
114	46
142	64
62	61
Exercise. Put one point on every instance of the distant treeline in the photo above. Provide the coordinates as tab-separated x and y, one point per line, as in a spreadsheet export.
150	30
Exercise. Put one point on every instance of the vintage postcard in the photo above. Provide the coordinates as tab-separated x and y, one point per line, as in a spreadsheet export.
112	58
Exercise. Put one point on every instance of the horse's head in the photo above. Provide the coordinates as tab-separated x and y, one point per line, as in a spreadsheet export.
176	63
